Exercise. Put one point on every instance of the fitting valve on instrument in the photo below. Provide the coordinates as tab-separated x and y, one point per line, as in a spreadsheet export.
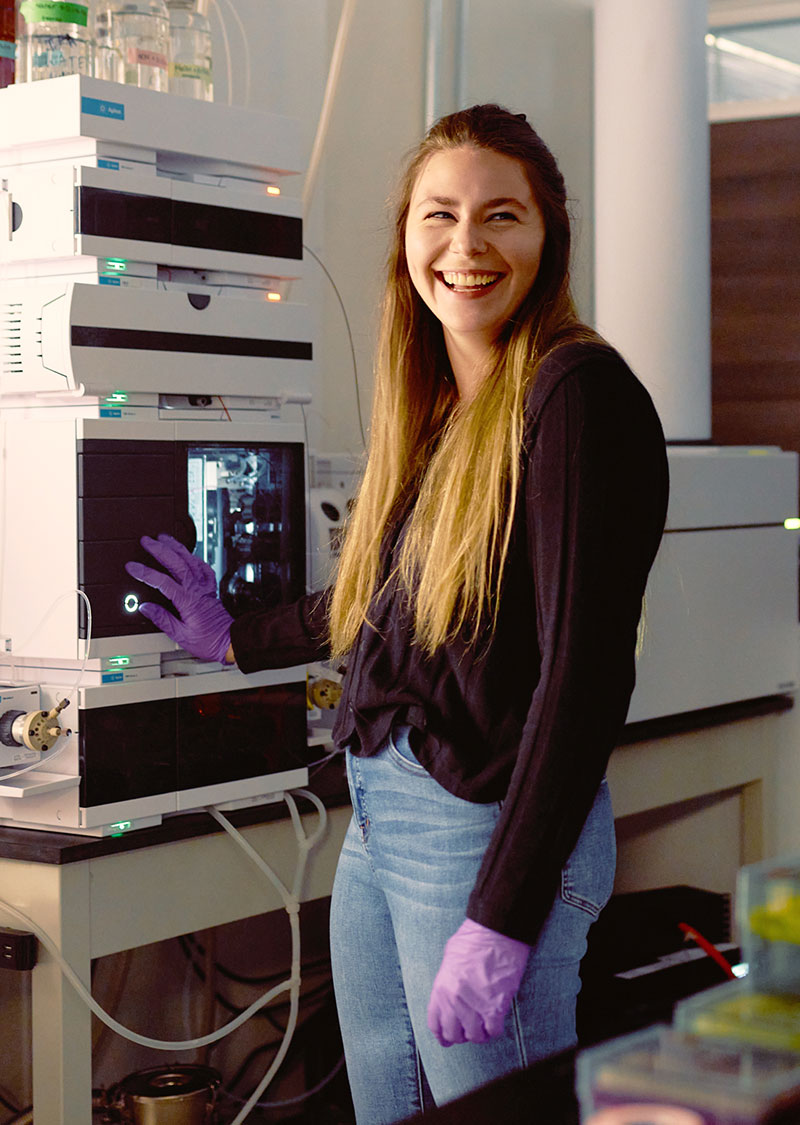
37	730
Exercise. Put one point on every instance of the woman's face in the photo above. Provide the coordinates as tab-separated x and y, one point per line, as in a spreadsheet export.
474	240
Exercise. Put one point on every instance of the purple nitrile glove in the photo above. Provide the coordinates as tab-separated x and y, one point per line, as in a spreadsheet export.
204	627
479	976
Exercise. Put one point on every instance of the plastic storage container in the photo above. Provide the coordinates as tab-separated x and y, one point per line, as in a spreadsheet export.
190	70
768	922
742	1014
663	1077
54	37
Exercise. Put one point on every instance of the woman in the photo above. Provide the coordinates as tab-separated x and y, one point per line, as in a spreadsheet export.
487	603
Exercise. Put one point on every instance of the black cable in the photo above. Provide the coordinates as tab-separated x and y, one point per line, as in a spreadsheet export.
239	978
19	1114
265	1013
9	1105
295	1045
324	269
200	973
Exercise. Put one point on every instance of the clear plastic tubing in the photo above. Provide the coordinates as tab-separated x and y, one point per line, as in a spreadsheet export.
190	71
54	37
133	42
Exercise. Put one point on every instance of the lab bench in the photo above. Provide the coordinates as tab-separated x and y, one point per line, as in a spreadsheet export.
100	896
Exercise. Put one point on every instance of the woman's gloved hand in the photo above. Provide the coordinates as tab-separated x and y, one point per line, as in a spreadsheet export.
479	976
204	627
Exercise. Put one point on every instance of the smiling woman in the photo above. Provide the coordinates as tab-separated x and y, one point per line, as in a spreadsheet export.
486	607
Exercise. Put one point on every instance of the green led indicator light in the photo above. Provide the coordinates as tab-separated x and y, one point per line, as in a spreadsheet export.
119	661
120	827
116	265
792	524
117	396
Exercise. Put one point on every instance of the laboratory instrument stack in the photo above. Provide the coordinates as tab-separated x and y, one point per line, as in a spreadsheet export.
732	1054
153	377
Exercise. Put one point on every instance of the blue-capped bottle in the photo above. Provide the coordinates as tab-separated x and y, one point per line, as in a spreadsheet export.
54	37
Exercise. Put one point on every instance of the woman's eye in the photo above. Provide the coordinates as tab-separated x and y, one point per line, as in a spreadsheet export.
439	215
503	215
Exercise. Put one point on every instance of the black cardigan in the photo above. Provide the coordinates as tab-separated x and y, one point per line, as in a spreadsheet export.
531	715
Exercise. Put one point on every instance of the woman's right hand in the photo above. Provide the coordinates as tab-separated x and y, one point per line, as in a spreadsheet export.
204	626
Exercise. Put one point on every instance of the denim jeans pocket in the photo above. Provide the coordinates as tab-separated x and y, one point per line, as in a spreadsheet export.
399	751
587	878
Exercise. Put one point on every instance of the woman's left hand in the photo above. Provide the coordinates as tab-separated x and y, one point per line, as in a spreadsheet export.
479	977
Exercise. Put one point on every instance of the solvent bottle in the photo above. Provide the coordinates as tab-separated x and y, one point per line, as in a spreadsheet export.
54	37
190	40
8	39
133	38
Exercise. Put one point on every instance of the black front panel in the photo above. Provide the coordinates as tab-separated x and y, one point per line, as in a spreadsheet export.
126	489
230	228
122	214
240	507
236	734
127	751
114	473
151	218
142	339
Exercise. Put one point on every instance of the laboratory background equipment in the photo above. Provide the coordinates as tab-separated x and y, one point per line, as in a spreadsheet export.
150	364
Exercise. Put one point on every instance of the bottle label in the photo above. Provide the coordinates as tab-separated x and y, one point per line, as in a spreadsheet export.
137	57
189	70
6	49
54	11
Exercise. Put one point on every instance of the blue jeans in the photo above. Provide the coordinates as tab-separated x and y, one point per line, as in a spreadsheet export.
408	864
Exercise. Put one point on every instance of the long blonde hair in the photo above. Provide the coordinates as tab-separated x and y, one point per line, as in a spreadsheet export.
452	468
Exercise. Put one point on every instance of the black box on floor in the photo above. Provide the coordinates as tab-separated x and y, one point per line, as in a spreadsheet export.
639	962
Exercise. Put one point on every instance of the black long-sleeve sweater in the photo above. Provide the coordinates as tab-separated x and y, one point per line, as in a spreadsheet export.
532	716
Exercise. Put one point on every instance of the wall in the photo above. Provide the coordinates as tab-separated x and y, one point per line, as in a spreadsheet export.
535	57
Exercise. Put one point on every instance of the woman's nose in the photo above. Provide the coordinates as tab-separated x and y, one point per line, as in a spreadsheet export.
467	239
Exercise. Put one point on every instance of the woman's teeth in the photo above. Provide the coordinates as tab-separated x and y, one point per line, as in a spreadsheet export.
469	280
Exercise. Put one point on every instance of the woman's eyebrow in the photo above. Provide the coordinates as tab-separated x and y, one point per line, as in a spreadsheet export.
501	201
